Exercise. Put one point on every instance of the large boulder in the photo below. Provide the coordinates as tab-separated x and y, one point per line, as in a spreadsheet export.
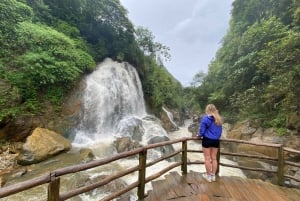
125	144
163	150
42	144
171	119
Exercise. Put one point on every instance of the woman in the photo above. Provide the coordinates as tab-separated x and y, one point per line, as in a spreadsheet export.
210	129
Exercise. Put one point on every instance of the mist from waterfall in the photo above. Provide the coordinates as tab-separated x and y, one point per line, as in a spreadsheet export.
113	94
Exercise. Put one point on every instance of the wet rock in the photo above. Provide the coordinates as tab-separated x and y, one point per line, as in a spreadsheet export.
86	155
131	127
171	119
163	150
42	144
125	144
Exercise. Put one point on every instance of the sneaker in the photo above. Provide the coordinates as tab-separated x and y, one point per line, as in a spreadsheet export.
213	177
207	177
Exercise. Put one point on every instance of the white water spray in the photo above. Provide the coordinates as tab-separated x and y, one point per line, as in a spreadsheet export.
113	93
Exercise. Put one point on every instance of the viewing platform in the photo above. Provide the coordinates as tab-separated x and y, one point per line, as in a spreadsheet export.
168	184
193	187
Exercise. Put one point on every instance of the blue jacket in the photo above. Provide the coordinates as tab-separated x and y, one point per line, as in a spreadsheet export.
209	129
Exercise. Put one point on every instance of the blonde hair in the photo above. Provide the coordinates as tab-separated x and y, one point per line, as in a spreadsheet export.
212	110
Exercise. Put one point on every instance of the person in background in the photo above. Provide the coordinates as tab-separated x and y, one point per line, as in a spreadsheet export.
210	131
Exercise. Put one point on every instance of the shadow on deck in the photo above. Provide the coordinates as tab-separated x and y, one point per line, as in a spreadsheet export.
193	187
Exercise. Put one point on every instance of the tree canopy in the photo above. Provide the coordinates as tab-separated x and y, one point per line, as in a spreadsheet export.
256	71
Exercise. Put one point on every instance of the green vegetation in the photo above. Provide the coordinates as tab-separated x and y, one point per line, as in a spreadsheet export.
48	45
256	72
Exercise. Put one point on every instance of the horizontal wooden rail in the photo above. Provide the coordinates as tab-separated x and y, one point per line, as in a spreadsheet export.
53	176
103	182
291	177
121	192
294	151
248	156
292	164
163	158
252	143
163	171
247	168
9	190
96	163
195	162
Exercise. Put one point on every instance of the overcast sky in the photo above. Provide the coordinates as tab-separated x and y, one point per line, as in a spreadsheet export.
193	29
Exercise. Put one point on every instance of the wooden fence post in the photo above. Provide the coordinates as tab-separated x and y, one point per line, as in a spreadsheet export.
53	188
142	174
184	158
280	169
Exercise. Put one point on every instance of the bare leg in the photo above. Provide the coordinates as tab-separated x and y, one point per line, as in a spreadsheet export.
214	152
207	159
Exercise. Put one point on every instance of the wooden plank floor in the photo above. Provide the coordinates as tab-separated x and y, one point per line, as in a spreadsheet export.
193	187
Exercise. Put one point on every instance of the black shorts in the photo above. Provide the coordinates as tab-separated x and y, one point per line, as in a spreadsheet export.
207	143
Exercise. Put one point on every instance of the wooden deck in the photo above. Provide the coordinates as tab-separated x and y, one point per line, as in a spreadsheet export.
193	187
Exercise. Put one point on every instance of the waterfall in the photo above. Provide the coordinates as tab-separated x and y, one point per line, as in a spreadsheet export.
112	95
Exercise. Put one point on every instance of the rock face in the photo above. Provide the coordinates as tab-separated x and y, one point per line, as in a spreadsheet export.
194	127
21	127
42	144
172	124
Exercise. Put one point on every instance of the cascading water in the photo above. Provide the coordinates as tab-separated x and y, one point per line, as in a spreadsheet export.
113	95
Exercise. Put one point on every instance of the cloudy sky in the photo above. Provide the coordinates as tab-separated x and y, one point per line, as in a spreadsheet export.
193	29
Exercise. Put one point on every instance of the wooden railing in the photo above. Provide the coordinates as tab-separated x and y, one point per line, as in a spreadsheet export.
53	178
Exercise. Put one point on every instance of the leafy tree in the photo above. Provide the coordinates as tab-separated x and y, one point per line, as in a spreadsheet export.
11	13
145	40
49	58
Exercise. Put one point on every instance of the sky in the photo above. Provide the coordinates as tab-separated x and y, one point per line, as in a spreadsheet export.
192	29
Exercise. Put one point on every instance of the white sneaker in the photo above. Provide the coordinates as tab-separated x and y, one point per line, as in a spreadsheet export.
207	177
213	177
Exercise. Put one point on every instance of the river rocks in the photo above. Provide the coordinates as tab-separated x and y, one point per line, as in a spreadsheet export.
125	144
131	127
42	144
86	155
164	150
